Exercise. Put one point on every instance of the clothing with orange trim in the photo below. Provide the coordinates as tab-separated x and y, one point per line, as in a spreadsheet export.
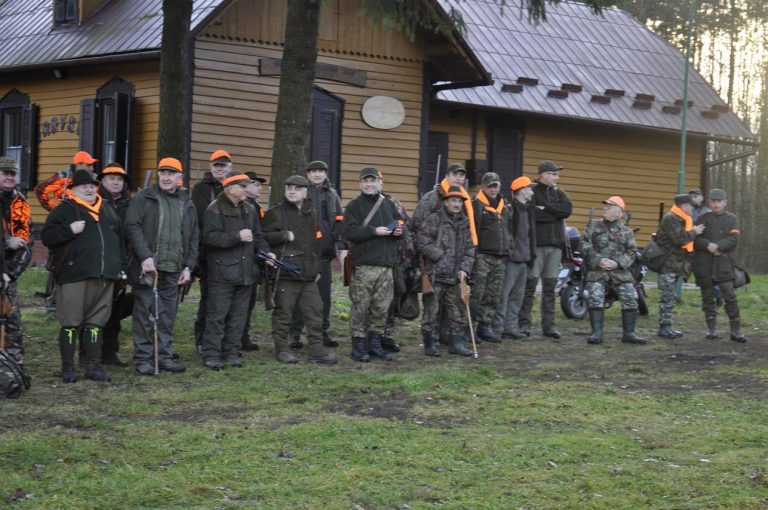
676	237
492	221
16	215
723	230
330	214
431	202
49	192
304	249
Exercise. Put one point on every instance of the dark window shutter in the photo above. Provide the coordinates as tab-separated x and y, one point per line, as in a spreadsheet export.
29	135
505	150
325	138
124	112
88	126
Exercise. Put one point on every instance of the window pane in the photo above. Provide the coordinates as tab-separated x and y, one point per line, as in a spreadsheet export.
71	10
12	136
108	131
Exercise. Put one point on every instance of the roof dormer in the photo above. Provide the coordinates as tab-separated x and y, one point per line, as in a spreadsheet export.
74	12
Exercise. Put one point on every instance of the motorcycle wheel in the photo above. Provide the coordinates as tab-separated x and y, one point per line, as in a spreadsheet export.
572	304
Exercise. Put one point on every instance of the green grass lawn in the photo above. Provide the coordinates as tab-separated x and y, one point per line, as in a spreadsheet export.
532	424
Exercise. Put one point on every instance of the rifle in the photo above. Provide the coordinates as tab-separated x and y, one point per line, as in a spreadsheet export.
147	178
426	283
437	169
184	289
284	265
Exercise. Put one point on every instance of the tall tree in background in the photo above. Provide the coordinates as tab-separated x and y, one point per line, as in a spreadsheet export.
173	135
294	103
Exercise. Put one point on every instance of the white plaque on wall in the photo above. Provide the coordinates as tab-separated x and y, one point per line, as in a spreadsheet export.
382	112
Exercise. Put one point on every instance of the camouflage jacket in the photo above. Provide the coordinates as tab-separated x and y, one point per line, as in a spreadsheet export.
444	241
671	237
611	240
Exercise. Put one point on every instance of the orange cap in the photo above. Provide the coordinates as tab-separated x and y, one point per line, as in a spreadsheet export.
171	164
615	200
83	158
522	182
115	169
220	154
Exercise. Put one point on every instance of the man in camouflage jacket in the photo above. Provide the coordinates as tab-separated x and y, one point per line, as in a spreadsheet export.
608	247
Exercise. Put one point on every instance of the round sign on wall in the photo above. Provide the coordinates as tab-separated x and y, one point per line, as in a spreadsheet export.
382	112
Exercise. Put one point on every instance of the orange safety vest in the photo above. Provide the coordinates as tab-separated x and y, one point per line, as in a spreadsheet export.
20	216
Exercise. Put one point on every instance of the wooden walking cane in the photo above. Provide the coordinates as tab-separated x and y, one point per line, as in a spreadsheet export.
465	294
155	318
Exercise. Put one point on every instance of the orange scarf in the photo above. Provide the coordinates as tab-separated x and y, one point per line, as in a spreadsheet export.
94	209
467	206
487	203
688	225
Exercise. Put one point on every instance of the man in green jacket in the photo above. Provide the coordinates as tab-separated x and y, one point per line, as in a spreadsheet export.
712	263
292	230
161	226
85	237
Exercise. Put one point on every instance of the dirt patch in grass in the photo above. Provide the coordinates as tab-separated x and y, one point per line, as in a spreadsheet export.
391	405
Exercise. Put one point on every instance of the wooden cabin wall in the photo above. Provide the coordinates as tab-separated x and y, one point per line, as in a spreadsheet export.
62	97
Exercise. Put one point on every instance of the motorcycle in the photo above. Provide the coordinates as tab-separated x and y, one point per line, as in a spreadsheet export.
570	282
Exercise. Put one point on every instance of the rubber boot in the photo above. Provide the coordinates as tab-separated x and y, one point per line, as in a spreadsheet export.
628	321
374	346
712	333
486	334
666	331
525	316
457	346
91	338
359	352
430	345
596	320
548	299
388	343
67	347
736	334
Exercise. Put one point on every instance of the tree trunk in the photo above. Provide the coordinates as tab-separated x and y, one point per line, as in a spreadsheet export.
294	103
173	138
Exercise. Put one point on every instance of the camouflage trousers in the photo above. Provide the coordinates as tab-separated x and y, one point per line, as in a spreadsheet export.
488	278
626	291
445	301
667	283
371	291
13	320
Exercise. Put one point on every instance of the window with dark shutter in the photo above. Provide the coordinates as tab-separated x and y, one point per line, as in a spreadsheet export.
64	12
105	123
18	134
505	149
325	138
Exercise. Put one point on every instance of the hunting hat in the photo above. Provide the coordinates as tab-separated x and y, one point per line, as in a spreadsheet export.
370	171
455	168
221	156
297	180
8	164
548	166
522	182
696	191
236	178
172	164
615	200
113	169
83	158
490	178
255	177
717	194
454	191
83	177
316	165
683	199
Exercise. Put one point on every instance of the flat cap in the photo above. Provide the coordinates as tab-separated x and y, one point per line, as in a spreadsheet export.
370	171
683	199
696	191
490	178
549	166
717	194
317	165
297	180
255	177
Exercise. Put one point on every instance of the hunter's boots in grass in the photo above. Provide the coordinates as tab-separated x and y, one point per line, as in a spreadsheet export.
712	333
430	344
91	338
666	331
628	321
486	334
457	345
596	319
736	334
548	299
525	315
359	352
374	346
67	348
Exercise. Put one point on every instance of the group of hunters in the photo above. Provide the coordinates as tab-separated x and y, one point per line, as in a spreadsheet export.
114	255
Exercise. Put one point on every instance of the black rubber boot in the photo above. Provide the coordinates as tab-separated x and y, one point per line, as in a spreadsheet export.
712	333
628	321
486	334
389	344
328	341
359	352
91	338
596	320
666	331
374	346
525	316
67	347
736	334
457	346
430	345
247	344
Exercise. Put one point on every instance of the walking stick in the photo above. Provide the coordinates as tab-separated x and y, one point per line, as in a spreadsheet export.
155	318
5	309
465	292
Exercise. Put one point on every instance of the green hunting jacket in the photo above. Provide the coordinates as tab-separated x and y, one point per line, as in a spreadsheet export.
723	230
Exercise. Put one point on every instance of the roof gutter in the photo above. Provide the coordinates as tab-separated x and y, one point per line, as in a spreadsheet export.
453	85
460	41
101	59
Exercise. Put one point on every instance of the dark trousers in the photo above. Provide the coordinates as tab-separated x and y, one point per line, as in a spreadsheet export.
709	298
251	306
202	273
225	320
291	293
324	287
143	326
122	307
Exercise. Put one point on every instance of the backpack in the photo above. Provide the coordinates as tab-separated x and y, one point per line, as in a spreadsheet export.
13	378
654	256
